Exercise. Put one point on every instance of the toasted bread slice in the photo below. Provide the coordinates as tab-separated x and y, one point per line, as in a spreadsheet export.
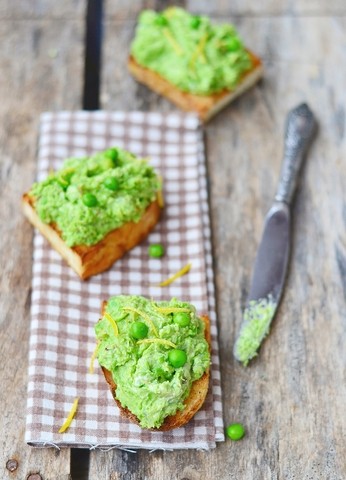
91	260
193	403
206	106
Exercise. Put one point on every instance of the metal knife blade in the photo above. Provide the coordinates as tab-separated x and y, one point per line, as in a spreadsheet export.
271	262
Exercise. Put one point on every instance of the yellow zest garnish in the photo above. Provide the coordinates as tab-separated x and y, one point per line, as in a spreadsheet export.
158	340
170	11
171	309
143	315
92	358
62	175
70	416
199	50
175	45
113	323
160	199
62	180
175	276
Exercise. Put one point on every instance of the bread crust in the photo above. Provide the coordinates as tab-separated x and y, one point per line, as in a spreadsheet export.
91	260
206	106
193	402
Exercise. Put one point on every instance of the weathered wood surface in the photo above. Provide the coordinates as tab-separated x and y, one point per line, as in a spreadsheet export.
41	68
292	398
124	10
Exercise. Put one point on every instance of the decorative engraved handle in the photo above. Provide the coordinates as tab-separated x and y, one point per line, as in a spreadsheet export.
300	128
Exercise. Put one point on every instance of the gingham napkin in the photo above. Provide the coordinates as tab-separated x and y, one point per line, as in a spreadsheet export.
64	309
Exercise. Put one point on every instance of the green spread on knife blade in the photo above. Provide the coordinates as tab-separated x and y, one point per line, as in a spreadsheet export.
189	51
257	318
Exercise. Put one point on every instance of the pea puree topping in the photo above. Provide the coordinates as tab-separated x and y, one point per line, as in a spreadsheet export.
153	359
189	51
91	196
257	318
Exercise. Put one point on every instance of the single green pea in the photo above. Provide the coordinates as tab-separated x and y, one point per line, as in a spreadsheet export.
113	154
89	200
161	20
235	431
177	358
182	319
139	330
156	250
233	43
111	183
195	22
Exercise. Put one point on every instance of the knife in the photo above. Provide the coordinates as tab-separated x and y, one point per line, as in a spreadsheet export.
271	262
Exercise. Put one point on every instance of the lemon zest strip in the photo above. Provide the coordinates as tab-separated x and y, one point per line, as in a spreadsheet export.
143	315
170	11
199	50
160	199
62	173
180	273
113	323
158	340
70	416
92	358
176	47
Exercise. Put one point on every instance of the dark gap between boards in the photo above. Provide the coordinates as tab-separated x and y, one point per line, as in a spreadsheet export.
80	457
92	56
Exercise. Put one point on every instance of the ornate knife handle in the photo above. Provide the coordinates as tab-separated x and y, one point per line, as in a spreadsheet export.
300	128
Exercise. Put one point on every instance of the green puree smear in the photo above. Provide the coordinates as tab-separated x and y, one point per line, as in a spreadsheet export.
153	374
257	318
91	196
189	51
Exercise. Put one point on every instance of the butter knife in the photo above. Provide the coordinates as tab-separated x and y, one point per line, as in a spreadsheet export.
271	262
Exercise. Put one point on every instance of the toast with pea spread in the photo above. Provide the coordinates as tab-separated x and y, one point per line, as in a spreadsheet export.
199	66
95	209
155	357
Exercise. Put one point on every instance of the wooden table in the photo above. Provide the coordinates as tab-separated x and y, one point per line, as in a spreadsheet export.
291	399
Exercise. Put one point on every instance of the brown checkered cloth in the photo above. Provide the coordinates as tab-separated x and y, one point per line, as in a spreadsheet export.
64	309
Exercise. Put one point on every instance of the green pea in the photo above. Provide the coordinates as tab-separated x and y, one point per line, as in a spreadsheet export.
195	22
235	431
182	319
177	358
139	330
113	154
156	250
111	183
233	43
89	200
161	20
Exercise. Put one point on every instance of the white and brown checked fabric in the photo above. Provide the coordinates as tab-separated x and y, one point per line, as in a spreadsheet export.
64	309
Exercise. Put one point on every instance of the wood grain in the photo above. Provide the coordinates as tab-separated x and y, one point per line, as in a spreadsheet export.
41	69
221	9
292	398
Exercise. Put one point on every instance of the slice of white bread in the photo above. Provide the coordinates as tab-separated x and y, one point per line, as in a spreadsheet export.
193	402
206	106
91	260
